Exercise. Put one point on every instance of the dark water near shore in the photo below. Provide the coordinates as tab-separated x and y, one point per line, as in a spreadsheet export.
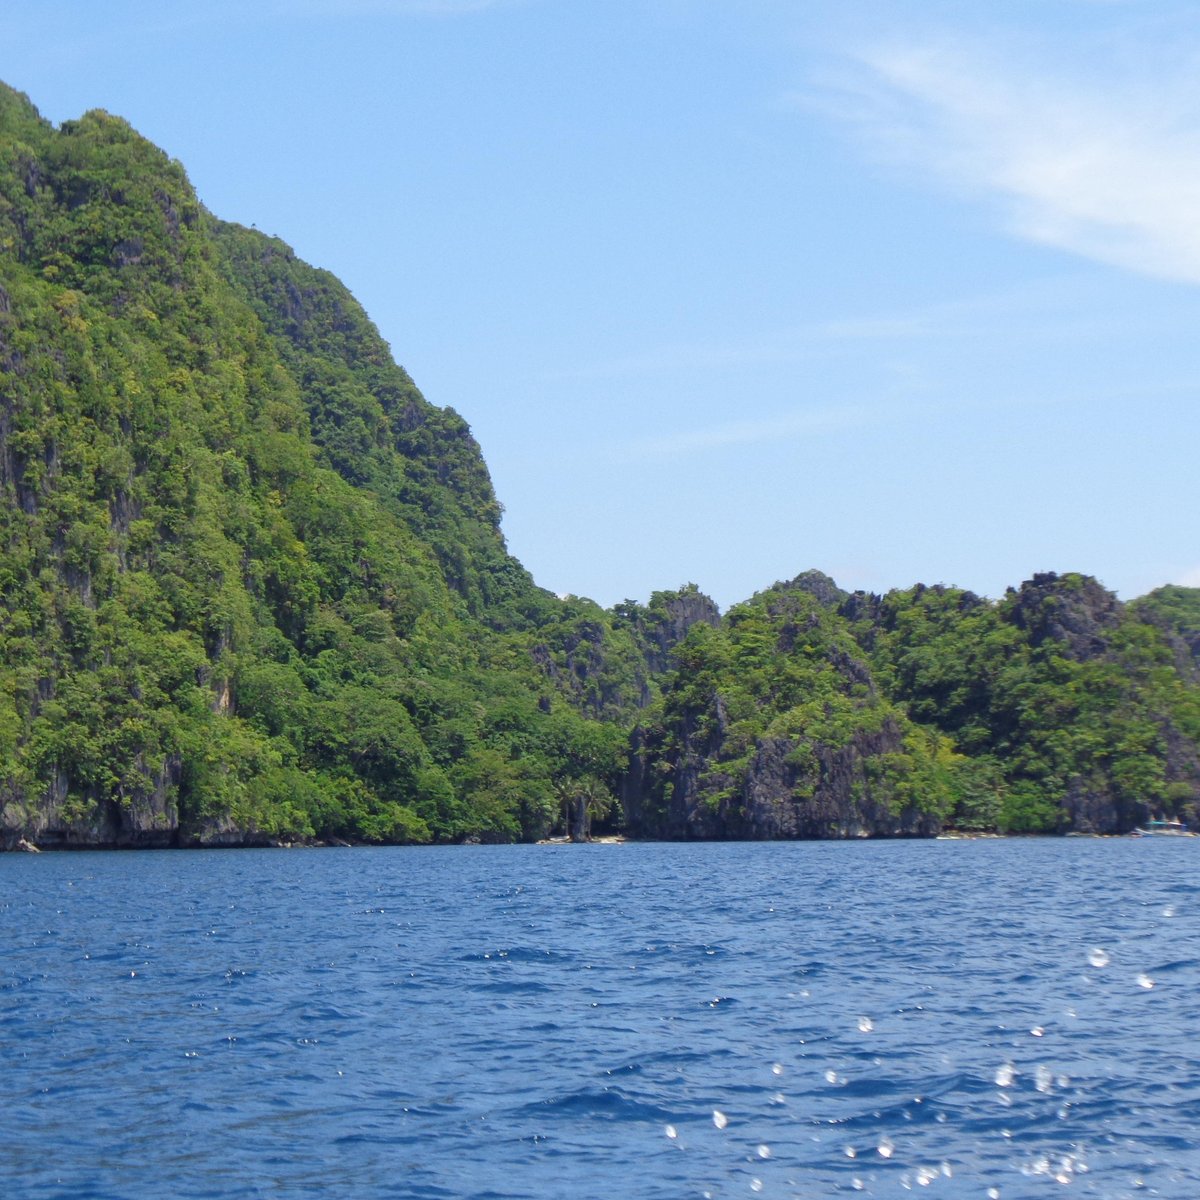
651	1021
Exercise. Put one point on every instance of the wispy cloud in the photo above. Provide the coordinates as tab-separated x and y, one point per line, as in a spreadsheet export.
1189	578
1051	308
810	422
797	344
1105	165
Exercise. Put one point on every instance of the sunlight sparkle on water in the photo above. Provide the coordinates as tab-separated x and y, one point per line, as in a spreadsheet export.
943	1077
1098	957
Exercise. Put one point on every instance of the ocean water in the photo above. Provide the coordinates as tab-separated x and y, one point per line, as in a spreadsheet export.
959	1019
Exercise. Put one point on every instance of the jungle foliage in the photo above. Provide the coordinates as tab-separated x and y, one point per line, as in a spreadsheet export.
253	585
1052	709
1071	700
251	579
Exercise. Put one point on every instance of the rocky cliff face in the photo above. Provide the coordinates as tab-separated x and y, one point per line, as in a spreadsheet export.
661	625
771	726
836	794
582	659
145	818
818	585
788	790
1076	611
252	585
608	663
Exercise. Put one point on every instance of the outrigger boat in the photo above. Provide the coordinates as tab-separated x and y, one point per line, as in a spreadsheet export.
1163	829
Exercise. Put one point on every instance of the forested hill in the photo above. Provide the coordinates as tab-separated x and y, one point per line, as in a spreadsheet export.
253	584
814	712
253	588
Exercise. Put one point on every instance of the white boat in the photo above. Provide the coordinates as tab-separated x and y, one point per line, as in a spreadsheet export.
1163	829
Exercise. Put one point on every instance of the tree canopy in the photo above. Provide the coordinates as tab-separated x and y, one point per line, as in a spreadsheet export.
253	587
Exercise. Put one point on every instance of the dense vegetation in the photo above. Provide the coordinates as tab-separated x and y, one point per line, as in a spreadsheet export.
253	587
1065	698
1052	709
251	579
772	725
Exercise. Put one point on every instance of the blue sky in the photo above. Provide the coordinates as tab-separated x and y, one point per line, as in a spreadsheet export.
904	291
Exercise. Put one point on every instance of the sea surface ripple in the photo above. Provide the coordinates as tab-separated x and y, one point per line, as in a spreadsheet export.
992	1019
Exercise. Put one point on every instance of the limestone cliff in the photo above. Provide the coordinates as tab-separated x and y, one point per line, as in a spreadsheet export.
788	790
771	726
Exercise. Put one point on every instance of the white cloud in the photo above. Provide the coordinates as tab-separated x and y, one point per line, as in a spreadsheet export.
808	423
1106	166
798	344
1189	578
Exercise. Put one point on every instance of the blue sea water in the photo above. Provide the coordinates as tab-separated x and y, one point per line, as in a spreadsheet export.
965	1019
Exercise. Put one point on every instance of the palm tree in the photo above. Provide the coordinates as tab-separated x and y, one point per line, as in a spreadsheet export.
582	800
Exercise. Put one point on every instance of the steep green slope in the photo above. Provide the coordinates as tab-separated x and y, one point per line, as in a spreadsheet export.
220	621
375	429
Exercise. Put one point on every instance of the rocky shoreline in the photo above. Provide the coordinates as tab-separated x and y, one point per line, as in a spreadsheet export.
24	845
